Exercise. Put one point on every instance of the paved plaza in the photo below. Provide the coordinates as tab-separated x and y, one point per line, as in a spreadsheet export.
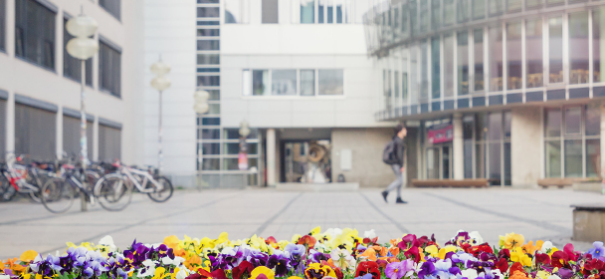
538	214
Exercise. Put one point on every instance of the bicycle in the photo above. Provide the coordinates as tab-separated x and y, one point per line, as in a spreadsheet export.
20	179
58	193
112	188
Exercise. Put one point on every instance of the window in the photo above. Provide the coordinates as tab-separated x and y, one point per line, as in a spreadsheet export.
112	6
514	55
448	56
3	25
210	134
533	3
578	48
270	11
307	11
207	12
208	32
237	11
534	52
396	89
208	81
598	44
495	58
307	82
463	68
208	59
331	82
71	136
110	143
72	67
478	9
386	87
492	147
496	7
463	10
404	86
208	45
436	68
207	1
283	82
514	5
555	49
424	15
436	14
555	2
424	71
209	121
35	133
211	148
110	69
260	82
478	55
448	12
572	136
35	33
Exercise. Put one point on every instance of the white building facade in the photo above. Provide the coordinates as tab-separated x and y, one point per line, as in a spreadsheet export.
40	82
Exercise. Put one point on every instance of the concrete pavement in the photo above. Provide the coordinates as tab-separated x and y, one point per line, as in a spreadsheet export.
537	214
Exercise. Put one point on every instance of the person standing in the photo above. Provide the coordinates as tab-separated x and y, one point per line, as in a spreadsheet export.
393	156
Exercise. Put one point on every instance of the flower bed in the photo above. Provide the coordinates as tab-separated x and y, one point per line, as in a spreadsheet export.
333	254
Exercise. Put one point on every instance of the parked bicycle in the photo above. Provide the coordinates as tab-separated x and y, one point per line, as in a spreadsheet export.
19	178
114	191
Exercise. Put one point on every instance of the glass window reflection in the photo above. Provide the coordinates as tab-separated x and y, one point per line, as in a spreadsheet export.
478	8
448	9
514	55
598	44
578	48
436	68
495	58
533	53
478	56
463	71
555	49
448	64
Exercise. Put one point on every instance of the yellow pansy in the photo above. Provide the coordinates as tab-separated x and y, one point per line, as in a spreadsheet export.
171	241
542	274
262	270
512	240
443	251
518	255
159	273
432	250
28	256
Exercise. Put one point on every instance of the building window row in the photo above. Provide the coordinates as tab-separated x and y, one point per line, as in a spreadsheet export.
550	52
293	82
114	7
35	42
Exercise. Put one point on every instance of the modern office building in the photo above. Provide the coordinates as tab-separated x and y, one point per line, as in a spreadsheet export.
508	90
40	81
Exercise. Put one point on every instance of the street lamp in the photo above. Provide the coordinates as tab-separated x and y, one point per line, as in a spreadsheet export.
82	47
161	83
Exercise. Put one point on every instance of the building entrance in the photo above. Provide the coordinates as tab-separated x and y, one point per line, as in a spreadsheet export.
439	161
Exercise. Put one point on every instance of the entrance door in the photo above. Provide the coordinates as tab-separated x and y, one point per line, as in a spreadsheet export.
439	162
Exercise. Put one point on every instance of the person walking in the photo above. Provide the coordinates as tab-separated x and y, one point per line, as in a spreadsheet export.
393	156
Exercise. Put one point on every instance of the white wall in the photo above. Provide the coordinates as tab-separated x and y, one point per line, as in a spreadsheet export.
297	46
170	28
20	77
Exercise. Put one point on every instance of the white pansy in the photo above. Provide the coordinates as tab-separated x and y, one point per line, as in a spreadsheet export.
146	271
177	261
553	277
5	277
342	258
476	237
369	234
182	274
546	246
469	273
108	241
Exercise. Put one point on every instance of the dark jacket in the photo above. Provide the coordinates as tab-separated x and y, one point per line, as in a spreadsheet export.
400	148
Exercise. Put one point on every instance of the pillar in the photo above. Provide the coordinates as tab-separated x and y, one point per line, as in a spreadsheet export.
526	146
458	146
602	139
602	50
271	155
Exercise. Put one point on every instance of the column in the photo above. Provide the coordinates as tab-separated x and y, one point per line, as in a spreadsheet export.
602	139
458	151
526	146
271	148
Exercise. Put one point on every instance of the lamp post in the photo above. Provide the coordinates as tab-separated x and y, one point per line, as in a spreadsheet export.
161	83
82	47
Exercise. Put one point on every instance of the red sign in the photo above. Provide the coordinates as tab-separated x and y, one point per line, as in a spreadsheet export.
445	134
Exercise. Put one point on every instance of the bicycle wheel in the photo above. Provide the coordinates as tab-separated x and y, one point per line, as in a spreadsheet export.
57	195
7	192
164	194
35	196
113	193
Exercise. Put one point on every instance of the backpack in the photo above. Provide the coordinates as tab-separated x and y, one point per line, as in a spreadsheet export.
389	155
